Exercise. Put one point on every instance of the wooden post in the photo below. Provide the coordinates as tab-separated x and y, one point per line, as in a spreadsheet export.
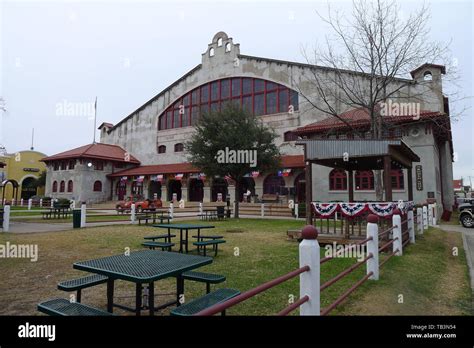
410	184
387	180
309	196
351	186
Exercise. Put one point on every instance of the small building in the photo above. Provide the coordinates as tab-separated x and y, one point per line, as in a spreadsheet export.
80	174
23	167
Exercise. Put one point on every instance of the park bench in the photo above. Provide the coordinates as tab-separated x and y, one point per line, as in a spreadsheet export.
81	283
161	236
201	277
206	301
204	243
162	245
63	307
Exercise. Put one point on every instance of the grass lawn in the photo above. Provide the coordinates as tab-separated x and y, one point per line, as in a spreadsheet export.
431	279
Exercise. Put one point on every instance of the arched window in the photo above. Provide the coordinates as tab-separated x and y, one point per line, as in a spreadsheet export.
337	180
219	42
427	76
257	96
272	184
364	180
398	182
162	149
69	186
211	52
62	186
178	147
98	186
228	47
55	186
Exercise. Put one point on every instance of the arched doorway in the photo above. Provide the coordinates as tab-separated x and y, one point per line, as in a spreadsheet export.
174	186
121	189
272	184
244	185
196	190
14	184
154	187
28	188
219	185
300	188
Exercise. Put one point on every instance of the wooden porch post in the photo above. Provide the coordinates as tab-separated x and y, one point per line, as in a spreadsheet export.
309	192
387	181
351	186
410	184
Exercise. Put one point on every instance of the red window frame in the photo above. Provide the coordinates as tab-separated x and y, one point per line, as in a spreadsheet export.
70	186
364	180
337	180
167	118
397	179
62	186
97	186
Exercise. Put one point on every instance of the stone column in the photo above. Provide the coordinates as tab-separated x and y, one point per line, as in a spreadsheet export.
207	191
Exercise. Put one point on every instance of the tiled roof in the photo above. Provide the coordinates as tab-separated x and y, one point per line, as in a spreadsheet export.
98	151
175	168
358	118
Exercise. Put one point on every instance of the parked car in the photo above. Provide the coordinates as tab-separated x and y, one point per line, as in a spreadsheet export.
140	204
466	215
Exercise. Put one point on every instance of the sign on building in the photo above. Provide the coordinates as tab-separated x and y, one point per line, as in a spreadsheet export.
419	177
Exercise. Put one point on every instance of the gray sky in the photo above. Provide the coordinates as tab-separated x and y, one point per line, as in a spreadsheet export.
58	52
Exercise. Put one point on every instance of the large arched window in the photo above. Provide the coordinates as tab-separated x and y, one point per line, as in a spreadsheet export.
260	97
272	184
55	186
364	180
98	186
398	182
62	186
337	180
69	186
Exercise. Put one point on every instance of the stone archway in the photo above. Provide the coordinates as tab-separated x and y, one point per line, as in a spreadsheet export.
28	187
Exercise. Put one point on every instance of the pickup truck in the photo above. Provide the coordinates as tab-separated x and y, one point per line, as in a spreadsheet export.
140	204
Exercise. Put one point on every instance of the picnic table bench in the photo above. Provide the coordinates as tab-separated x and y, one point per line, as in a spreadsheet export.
208	278
206	301
204	243
183	232
82	283
162	245
63	307
152	216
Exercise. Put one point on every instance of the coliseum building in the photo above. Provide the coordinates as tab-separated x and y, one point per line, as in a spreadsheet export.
277	92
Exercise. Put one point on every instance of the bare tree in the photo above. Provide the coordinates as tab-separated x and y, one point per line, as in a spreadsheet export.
369	57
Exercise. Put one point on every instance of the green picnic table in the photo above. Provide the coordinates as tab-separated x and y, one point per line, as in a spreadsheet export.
143	267
183	237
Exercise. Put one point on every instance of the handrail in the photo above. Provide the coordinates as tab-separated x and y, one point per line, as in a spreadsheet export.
345	272
252	292
293	306
345	294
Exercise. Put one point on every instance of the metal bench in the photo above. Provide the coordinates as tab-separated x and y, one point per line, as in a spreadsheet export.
81	283
203	244
206	301
162	245
161	236
208	278
63	307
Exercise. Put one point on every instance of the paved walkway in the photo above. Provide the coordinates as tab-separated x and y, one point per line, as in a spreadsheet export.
468	243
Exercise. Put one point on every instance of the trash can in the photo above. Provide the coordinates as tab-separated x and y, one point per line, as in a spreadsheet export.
76	218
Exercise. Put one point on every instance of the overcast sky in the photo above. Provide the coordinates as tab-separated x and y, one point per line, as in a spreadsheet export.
58	52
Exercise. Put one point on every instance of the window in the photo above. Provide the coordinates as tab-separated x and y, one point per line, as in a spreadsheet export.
178	147
211	52
69	186
62	186
290	136
228	47
98	186
56	166
219	42
62	165
55	186
98	165
257	96
397	179
337	180
162	149
72	164
364	180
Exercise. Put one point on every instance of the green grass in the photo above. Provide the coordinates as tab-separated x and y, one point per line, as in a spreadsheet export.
256	251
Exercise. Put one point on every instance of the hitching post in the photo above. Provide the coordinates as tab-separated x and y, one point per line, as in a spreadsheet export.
132	213
41	202
21	202
83	214
373	246
411	226
170	211
430	214
419	220
425	217
297	213
262	210
30	202
397	232
310	280
6	218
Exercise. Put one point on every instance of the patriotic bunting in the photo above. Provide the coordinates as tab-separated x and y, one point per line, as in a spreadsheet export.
326	210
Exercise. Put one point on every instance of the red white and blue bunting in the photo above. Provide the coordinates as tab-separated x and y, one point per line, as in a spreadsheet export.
326	210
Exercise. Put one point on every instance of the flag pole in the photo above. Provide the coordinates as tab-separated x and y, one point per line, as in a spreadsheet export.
95	119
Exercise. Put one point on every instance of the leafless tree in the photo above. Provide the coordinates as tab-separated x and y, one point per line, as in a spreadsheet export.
369	56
